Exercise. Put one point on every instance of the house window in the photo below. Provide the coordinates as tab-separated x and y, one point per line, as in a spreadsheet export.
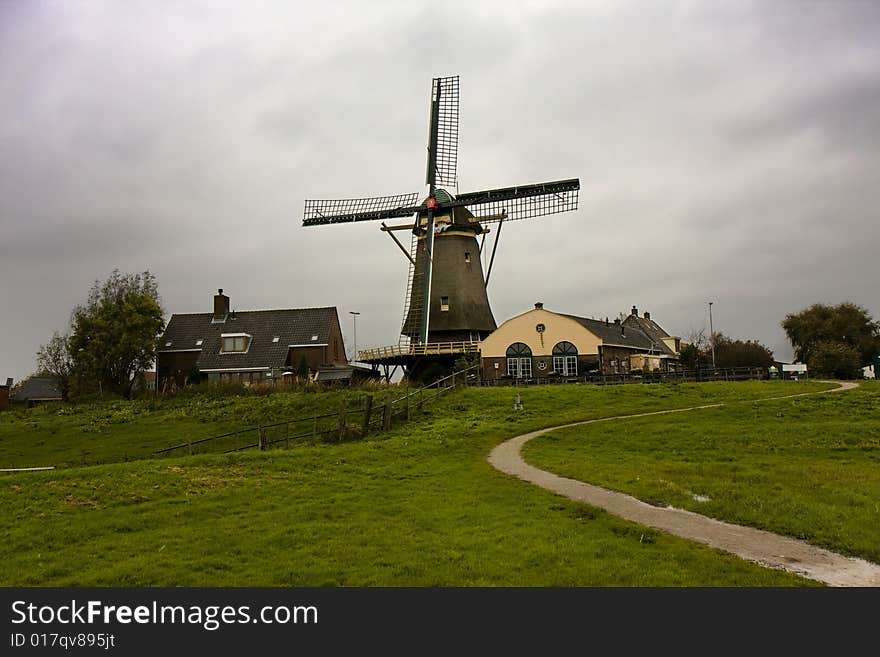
444	303
234	344
519	361
565	359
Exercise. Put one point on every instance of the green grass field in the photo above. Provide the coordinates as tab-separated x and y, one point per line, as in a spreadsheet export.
807	467
416	506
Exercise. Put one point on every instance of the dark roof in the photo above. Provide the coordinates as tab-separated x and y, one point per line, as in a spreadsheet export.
295	326
344	373
649	327
622	334
39	388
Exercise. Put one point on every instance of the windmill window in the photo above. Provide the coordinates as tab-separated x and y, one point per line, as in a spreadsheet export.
168	344
314	337
199	343
565	359
276	338
444	303
519	361
467	256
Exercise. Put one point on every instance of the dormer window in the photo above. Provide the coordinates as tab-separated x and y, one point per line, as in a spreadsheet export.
234	343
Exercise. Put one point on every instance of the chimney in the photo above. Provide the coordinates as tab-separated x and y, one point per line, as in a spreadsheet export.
623	330
635	311
617	321
647	315
9	382
221	306
607	323
539	305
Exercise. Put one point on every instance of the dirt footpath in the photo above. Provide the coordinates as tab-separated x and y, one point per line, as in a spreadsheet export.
755	545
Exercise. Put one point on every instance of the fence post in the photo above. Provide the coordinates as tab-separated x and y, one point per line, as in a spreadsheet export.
315	426
386	414
341	419
189	440
368	411
287	433
262	439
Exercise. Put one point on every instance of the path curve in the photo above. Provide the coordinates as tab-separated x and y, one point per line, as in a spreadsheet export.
756	545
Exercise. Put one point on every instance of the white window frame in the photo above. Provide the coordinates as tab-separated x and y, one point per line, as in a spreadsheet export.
565	365
519	368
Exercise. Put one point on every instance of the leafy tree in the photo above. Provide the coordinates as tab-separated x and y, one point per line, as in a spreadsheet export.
114	334
835	359
741	353
694	348
54	358
845	323
728	352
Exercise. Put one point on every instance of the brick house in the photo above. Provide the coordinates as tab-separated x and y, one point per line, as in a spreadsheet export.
247	346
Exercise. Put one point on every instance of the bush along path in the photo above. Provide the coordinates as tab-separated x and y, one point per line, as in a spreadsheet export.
756	545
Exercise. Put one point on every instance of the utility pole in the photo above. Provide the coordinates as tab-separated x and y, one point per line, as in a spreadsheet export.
354	315
711	335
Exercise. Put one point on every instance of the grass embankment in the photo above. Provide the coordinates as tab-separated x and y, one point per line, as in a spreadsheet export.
66	435
415	506
806	467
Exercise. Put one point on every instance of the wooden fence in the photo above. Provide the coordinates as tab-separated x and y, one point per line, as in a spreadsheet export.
345	424
685	376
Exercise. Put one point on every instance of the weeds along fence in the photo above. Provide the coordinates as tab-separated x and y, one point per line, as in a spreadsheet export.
684	376
346	423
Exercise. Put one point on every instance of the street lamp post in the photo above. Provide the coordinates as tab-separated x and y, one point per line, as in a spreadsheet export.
354	315
711	334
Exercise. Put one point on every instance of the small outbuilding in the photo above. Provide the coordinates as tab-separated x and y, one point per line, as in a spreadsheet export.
39	389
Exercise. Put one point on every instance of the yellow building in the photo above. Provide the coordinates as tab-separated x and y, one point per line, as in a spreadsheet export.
544	344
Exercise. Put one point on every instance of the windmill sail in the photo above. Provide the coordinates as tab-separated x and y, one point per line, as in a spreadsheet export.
345	210
443	133
523	202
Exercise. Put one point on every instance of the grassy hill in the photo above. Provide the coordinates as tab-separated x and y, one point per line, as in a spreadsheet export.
417	505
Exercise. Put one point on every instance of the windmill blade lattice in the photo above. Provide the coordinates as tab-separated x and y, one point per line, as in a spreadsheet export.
445	95
522	202
345	210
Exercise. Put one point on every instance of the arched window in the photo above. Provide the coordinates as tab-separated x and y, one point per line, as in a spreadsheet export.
519	361
565	359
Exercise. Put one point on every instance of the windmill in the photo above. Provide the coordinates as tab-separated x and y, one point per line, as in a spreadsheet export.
446	308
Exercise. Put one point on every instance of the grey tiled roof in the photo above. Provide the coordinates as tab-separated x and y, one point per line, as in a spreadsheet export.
649	327
296	326
622	334
39	387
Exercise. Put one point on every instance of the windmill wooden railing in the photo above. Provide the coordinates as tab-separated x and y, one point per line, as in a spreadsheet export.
429	349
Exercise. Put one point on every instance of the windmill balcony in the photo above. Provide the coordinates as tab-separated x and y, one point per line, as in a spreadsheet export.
427	349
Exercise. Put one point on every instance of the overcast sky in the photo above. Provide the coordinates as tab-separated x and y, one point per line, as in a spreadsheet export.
727	152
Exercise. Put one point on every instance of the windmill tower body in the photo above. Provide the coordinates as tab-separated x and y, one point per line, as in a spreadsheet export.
459	308
446	306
